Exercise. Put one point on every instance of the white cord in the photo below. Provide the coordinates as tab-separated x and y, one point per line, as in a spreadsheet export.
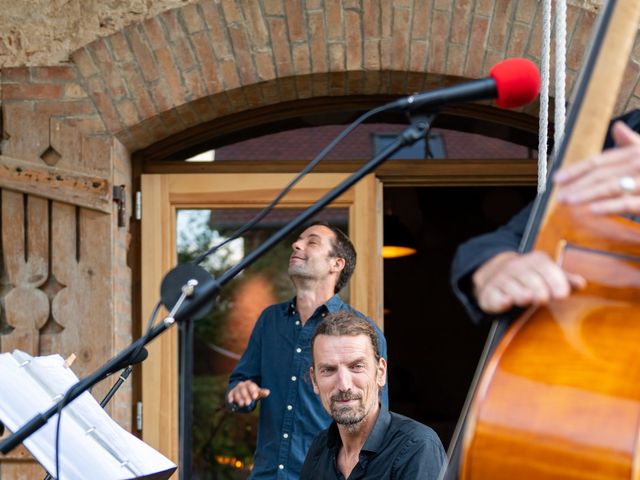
544	96
560	80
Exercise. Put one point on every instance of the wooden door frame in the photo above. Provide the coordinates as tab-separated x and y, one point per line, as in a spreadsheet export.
163	194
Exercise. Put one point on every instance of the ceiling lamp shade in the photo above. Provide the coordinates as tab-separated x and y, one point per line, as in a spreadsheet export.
398	242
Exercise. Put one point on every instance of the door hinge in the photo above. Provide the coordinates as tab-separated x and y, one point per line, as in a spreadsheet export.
139	416
138	208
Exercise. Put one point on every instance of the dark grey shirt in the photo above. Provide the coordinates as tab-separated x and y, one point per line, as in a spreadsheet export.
397	448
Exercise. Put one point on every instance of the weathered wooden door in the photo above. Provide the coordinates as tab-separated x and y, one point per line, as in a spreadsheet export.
164	195
56	282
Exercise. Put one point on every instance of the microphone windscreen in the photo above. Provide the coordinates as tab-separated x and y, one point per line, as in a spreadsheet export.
517	82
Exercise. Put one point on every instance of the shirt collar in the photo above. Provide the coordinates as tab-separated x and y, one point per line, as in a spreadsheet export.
332	305
333	437
374	440
376	436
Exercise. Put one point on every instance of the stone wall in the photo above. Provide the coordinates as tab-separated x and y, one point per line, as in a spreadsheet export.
45	32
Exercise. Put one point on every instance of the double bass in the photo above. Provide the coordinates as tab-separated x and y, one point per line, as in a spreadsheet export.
559	396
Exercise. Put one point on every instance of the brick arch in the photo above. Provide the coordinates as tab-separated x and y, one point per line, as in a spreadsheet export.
206	60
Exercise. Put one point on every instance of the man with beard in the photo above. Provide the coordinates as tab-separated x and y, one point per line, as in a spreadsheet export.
274	367
365	440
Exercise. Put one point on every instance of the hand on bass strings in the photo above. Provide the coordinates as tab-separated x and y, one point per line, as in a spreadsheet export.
608	183
512	279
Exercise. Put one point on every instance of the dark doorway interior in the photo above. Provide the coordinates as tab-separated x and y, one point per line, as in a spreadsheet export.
433	345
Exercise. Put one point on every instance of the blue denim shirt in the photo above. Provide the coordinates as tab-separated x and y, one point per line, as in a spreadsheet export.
278	357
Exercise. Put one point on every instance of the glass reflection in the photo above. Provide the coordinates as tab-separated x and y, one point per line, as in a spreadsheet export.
223	443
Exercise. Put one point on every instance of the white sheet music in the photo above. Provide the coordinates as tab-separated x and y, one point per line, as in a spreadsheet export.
92	445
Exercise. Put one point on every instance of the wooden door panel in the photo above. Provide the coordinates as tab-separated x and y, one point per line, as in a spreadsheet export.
162	195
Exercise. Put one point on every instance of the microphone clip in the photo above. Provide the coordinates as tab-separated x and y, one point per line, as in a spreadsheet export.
420	126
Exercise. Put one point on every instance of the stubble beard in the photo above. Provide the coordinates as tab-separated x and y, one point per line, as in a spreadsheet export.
350	417
299	275
297	271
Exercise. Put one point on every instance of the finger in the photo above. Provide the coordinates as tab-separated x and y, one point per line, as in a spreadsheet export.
264	392
600	181
235	396
245	393
578	282
508	287
533	293
492	300
569	173
582	192
539	279
623	135
590	167
617	206
528	282
253	391
601	166
556	282
238	395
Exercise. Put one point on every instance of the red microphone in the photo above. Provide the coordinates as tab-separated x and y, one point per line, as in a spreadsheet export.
513	82
517	82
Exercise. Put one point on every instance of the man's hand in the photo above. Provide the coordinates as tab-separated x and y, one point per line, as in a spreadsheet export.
609	183
244	393
512	280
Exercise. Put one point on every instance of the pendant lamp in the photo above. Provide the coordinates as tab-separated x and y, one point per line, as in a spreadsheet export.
398	241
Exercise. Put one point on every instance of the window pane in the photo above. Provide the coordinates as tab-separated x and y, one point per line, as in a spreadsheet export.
223	443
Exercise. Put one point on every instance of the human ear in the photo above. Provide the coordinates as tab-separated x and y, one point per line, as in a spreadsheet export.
381	374
338	264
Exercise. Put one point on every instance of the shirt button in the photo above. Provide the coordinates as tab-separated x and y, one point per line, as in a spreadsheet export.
294	378
289	407
297	322
285	435
281	467
298	350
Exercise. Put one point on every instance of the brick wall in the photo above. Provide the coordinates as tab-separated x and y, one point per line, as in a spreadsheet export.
187	66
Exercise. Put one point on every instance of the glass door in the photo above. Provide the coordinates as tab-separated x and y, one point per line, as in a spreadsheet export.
183	215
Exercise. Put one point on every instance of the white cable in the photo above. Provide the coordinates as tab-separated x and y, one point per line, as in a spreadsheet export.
560	71
544	96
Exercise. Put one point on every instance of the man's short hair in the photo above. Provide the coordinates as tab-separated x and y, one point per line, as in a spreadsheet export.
341	248
345	322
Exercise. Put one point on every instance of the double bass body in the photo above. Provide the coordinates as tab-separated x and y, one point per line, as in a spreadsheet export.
560	396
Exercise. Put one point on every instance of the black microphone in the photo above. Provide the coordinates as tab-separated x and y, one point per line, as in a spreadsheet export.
514	82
